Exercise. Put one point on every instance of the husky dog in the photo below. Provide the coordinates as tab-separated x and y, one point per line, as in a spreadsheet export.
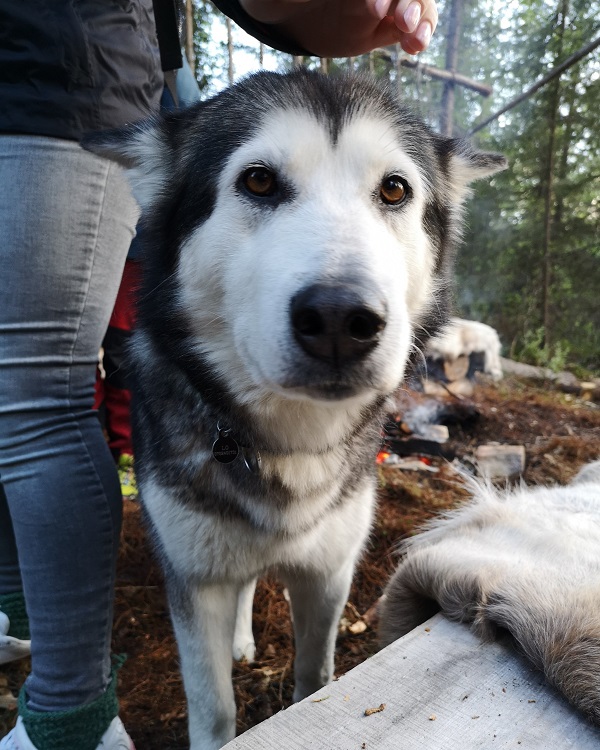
299	233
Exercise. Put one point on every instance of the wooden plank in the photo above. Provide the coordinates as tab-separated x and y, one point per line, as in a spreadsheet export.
442	689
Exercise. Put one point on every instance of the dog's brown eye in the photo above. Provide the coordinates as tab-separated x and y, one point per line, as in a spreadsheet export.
259	181
393	190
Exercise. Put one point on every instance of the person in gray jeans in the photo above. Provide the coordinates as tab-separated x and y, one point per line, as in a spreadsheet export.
67	219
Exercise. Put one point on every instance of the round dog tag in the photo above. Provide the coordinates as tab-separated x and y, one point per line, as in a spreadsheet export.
225	450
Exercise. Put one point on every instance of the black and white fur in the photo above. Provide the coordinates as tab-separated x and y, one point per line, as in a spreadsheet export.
284	320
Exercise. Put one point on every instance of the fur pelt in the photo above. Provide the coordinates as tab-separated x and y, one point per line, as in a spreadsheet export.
524	561
464	337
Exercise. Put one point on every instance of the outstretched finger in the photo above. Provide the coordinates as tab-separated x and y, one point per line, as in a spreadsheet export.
417	20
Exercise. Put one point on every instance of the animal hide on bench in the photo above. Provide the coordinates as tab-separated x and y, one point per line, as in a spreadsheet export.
526	562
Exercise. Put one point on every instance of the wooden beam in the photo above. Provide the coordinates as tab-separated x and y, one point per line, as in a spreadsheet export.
446	75
438	73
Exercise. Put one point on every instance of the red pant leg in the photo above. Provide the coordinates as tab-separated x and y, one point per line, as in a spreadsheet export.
116	395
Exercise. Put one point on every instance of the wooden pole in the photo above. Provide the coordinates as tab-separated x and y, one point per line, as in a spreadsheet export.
446	75
442	75
549	186
189	35
230	68
569	62
452	44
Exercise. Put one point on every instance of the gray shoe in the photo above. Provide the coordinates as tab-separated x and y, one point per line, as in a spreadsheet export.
115	737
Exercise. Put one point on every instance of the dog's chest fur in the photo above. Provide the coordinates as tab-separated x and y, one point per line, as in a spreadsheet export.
312	460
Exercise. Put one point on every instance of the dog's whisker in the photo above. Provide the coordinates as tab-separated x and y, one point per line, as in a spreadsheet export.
152	291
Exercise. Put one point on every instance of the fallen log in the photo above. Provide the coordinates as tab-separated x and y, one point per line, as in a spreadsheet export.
566	382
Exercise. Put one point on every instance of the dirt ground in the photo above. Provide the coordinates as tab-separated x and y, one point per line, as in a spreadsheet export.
560	434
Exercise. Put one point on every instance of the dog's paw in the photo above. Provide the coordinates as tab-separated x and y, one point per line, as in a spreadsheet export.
244	650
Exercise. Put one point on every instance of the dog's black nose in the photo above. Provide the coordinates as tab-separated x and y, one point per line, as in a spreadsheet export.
335	324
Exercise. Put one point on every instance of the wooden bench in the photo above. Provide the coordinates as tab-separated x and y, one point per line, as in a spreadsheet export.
439	687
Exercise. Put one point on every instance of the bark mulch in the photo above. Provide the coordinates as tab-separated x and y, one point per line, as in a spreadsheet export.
560	434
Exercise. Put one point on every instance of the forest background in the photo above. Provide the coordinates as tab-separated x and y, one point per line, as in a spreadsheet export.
530	262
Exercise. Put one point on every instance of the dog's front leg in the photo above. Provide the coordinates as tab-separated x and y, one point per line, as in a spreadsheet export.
204	620
244	648
317	604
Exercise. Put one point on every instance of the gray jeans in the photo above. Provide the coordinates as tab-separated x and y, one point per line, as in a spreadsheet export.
66	221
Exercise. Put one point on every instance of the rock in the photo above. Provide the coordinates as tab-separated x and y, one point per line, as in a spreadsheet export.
500	461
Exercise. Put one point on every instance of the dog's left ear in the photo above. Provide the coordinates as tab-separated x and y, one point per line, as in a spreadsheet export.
465	165
142	149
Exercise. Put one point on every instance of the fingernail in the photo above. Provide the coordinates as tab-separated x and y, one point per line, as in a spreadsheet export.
381	7
423	34
412	15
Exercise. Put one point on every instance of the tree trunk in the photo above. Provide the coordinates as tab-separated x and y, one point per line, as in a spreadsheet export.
562	170
452	43
189	35
230	68
554	105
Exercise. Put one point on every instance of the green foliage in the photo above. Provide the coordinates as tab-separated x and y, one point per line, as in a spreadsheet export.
204	15
500	277
534	351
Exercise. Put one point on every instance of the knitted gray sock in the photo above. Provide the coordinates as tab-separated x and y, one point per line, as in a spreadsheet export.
80	727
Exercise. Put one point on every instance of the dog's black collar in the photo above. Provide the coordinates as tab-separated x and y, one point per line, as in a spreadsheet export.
225	448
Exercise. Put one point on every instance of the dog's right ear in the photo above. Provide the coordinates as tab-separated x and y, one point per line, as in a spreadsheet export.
142	150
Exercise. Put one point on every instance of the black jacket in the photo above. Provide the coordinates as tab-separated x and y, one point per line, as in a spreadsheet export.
72	66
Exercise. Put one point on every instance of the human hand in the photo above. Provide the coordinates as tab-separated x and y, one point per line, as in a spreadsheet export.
342	28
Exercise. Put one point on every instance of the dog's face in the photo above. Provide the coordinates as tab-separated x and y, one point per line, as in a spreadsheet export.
320	256
308	223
